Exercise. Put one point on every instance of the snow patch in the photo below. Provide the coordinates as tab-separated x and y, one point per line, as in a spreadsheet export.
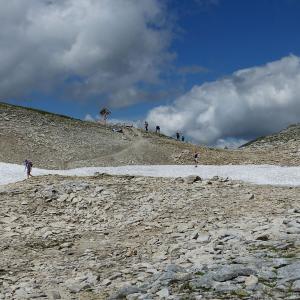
257	174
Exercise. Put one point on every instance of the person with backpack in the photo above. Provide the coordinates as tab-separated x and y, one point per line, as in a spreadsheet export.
146	125
28	167
157	129
196	157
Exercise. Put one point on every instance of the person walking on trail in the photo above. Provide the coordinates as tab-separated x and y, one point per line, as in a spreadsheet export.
146	125
182	138
196	158
177	135
157	129
28	167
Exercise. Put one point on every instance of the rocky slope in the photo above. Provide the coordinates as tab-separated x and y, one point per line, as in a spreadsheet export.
288	138
54	141
125	237
60	142
284	145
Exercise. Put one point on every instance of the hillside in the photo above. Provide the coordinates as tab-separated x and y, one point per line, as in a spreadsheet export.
288	138
60	142
55	141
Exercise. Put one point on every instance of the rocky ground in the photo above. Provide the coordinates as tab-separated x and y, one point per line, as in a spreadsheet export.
126	237
58	142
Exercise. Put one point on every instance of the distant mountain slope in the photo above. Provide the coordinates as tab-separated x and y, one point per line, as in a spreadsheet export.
60	142
287	138
55	141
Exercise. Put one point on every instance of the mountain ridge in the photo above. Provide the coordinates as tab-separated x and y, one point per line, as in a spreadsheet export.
287	135
54	141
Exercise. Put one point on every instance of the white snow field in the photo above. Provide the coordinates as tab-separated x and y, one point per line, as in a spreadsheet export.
257	174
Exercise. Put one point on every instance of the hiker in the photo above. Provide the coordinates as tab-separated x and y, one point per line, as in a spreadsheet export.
177	135
146	125
182	138
196	157
28	167
157	129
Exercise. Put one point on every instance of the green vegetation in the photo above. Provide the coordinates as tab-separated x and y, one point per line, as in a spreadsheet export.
268	283
199	273
240	293
272	251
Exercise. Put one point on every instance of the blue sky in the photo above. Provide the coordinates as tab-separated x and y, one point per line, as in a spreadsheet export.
207	40
236	34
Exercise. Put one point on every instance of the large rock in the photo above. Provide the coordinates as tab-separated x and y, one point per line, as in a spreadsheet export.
232	271
203	282
192	178
296	286
290	272
124	292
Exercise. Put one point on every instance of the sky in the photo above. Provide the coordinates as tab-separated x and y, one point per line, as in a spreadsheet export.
221	72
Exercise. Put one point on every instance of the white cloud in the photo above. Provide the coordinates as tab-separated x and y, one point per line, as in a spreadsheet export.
125	122
87	48
89	118
249	103
114	121
230	143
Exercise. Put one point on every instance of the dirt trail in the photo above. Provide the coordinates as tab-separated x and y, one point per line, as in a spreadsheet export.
130	153
138	146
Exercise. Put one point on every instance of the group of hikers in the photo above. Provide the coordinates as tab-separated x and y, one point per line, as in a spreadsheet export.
157	130
157	127
178	136
28	164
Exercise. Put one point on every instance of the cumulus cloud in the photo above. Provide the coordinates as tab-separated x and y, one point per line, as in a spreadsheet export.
249	103
114	121
87	48
89	118
125	122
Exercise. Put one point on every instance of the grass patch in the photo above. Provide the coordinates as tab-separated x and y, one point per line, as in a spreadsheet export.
270	284
199	273
185	287
290	255
240	293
